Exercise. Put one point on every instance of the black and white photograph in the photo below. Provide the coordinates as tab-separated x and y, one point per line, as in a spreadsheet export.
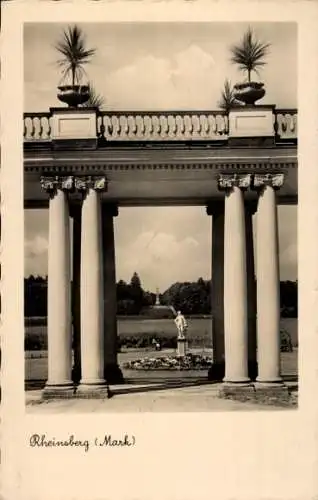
158	254
160	212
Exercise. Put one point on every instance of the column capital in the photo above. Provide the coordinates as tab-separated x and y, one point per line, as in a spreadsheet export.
275	181
83	184
52	184
226	182
215	207
109	209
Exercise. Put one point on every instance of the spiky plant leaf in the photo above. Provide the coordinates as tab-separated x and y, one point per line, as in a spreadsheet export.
72	46
227	100
95	99
249	54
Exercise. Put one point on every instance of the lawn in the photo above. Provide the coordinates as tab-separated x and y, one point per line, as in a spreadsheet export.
200	329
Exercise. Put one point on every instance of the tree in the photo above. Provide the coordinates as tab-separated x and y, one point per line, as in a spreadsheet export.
249	54
35	296
189	297
289	298
72	46
135	281
136	293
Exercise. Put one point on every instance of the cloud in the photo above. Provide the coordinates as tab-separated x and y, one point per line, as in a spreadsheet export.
162	259
163	244
175	82
35	251
36	246
288	262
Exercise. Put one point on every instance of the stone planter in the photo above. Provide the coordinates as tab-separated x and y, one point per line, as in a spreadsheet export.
73	95
249	92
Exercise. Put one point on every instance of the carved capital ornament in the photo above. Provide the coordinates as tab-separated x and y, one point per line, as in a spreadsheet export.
83	184
275	181
52	184
229	181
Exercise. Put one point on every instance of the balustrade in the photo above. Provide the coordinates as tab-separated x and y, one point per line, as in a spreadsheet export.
160	126
286	123
37	127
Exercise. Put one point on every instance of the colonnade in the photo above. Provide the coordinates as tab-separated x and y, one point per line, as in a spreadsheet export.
92	303
240	322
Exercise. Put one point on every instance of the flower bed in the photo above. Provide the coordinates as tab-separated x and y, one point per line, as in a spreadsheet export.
188	362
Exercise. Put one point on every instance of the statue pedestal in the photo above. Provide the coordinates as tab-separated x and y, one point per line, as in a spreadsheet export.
182	346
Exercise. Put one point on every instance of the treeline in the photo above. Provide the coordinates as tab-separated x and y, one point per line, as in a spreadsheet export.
190	297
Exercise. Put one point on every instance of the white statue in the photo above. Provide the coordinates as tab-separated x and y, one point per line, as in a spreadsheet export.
181	324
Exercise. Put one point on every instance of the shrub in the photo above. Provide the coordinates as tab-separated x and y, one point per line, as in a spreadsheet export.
146	340
35	342
285	341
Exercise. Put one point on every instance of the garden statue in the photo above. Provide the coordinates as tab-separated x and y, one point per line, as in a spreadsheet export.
181	324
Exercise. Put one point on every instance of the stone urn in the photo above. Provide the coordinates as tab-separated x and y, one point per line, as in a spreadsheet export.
249	92
73	95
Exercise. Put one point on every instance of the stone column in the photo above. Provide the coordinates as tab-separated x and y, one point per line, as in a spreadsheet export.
59	381
216	209
235	279
76	214
268	293
250	209
112	372
92	290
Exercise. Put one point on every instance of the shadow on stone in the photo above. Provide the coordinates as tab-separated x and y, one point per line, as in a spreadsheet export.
217	371
113	375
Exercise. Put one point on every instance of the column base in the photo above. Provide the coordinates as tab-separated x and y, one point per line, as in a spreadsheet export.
272	393
92	391
237	391
113	374
217	371
269	381
58	391
275	394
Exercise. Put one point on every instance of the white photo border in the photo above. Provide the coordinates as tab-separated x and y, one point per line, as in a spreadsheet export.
235	455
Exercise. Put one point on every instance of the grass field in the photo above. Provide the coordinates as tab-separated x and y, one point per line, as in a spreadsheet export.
200	329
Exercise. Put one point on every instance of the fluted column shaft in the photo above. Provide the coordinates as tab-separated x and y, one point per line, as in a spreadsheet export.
268	293
59	287
92	313
235	279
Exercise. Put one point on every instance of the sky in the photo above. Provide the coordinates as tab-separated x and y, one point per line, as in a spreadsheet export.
160	66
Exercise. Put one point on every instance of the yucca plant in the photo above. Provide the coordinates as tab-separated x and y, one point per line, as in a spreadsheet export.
75	54
249	54
227	100
95	100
